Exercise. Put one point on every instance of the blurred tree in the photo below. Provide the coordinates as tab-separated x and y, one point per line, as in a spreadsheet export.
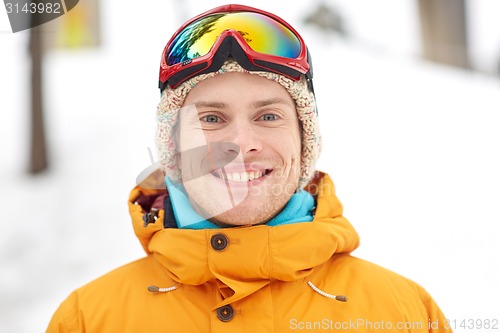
77	28
498	65
327	19
38	156
443	31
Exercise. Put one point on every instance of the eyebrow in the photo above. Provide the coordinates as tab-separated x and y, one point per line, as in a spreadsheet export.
270	101
208	104
258	104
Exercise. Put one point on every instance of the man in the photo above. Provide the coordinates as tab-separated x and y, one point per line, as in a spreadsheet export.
243	235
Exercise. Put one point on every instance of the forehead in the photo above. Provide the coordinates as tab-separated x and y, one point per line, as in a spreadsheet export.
239	88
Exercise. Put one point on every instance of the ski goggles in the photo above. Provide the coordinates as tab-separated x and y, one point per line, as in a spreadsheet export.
257	40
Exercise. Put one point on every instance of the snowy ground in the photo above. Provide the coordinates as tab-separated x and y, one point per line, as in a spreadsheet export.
412	148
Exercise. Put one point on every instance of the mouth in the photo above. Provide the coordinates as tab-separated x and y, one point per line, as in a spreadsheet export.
241	177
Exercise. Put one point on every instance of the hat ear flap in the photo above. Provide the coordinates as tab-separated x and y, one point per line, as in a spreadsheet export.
176	137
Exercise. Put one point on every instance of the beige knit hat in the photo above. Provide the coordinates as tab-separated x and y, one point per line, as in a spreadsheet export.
173	99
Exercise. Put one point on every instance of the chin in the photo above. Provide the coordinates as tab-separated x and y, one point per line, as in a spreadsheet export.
236	218
231	204
252	212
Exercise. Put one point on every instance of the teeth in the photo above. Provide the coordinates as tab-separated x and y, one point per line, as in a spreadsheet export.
235	177
239	177
244	177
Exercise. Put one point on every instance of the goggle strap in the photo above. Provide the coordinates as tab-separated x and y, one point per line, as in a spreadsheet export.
187	73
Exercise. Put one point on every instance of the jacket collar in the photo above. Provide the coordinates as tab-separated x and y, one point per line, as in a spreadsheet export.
254	255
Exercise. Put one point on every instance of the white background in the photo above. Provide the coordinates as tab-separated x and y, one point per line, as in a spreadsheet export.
411	146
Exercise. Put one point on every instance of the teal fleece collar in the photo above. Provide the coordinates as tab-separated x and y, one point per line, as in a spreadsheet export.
298	209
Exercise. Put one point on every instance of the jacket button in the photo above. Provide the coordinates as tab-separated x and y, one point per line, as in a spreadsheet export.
225	313
219	242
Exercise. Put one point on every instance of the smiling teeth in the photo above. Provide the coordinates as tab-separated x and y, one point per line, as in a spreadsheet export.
240	177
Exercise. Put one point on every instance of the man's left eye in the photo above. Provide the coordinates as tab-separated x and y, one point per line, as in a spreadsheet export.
211	119
269	117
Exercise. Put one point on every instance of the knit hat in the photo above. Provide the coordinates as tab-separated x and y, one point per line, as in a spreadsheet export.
173	99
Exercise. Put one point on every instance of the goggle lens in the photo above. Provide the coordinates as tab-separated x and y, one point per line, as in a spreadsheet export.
262	33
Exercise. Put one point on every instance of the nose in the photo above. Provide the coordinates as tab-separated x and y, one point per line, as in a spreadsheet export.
245	138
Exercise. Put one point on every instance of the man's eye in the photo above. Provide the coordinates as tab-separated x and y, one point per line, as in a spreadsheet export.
269	117
210	119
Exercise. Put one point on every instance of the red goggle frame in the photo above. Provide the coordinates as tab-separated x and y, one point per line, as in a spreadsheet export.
257	40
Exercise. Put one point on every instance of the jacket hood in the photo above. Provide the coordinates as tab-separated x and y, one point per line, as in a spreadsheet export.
255	255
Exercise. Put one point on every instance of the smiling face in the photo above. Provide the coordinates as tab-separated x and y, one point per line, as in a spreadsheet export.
240	144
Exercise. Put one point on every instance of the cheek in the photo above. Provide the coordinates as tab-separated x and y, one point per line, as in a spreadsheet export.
188	132
287	144
292	140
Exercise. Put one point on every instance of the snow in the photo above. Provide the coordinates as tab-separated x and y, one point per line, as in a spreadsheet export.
411	146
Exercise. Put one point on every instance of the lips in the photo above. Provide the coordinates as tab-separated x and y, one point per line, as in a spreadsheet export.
241	177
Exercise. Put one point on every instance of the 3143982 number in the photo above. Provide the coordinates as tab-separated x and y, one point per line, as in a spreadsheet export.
473	324
32	8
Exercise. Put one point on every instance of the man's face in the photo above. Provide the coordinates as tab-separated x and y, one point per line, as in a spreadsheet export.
246	140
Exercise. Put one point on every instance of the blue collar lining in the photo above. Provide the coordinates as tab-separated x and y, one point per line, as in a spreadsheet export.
298	209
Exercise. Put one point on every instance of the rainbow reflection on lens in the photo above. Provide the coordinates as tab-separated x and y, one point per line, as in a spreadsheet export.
262	33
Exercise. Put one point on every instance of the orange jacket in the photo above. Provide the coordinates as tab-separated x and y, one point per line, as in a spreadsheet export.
249	279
